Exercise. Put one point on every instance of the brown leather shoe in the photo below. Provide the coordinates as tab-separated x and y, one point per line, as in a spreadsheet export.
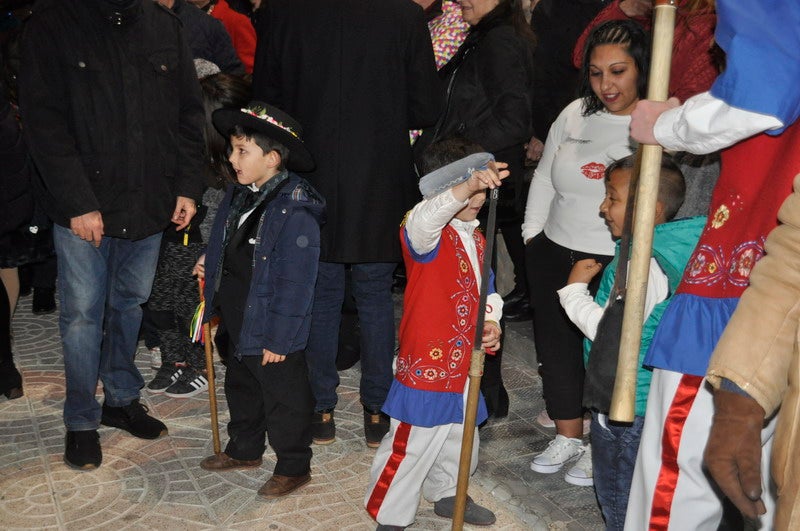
221	462
278	486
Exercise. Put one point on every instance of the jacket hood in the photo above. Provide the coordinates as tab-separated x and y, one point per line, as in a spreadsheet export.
300	194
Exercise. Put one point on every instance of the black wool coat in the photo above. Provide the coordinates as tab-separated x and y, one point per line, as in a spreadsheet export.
16	198
112	114
357	74
489	98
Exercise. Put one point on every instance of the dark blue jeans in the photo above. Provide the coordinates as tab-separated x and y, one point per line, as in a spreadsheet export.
614	449
372	290
100	290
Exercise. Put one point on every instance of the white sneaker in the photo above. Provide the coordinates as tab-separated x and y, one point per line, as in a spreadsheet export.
558	452
581	472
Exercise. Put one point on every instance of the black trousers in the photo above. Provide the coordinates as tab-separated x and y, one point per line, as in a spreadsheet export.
272	401
559	343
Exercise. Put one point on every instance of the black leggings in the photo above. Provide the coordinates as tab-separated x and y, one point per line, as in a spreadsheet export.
559	343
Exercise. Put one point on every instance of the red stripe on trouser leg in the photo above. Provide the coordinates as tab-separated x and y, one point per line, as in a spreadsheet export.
670	444
392	464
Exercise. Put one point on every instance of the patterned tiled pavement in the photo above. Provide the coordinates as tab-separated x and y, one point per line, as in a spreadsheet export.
159	485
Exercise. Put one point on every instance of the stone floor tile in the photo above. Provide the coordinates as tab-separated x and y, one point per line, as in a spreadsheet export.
158	484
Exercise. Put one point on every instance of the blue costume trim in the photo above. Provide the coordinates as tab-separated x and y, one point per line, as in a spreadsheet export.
688	332
421	258
762	70
428	408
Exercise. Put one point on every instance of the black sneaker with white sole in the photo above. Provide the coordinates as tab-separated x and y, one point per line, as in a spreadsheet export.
189	383
165	376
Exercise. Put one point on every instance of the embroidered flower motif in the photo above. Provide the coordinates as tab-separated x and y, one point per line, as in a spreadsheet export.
430	374
462	264
593	170
435	353
453	365
697	265
462	322
745	264
457	354
722	215
462	310
712	268
261	113
459	342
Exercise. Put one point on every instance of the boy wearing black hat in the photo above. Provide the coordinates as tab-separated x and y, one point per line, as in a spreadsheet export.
262	264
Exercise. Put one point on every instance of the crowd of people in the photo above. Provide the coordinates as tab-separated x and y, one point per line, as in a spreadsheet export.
277	158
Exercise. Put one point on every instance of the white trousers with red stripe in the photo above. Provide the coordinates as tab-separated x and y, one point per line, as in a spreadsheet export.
670	489
413	460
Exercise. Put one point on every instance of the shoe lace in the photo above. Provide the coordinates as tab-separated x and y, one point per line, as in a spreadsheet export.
136	410
557	447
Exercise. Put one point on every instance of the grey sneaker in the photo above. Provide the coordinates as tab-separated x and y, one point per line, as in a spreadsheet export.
165	376
189	383
473	513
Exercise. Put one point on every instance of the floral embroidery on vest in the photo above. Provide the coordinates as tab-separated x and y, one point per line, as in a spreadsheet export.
710	266
443	360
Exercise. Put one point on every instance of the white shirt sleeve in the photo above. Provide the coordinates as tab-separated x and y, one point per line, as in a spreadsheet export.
494	307
704	124
427	219
582	310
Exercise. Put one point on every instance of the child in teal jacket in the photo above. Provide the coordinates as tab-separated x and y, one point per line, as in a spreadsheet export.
610	465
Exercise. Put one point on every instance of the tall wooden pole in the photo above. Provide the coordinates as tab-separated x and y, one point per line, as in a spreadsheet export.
624	397
212	388
475	374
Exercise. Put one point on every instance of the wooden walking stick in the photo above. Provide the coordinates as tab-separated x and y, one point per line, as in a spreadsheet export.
212	389
475	373
624	397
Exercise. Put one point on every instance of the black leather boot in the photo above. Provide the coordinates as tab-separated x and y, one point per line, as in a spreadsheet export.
10	381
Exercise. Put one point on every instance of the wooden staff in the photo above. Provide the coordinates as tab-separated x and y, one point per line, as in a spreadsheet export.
624	398
212	389
475	373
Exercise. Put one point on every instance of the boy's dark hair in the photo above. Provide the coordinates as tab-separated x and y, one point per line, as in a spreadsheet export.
671	184
263	141
637	43
443	152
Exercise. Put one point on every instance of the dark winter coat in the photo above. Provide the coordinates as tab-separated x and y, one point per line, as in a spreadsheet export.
489	93
16	199
112	114
277	312
207	38
357	74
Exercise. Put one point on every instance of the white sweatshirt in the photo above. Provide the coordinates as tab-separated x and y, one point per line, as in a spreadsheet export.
568	184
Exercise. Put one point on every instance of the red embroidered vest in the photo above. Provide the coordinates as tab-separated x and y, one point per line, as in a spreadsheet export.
756	176
439	314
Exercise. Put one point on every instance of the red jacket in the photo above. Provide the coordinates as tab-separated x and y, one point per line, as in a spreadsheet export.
241	31
693	68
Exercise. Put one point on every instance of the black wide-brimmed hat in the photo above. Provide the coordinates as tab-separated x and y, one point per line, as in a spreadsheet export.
272	122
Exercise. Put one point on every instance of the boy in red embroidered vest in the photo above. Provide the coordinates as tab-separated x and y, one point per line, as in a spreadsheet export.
443	254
